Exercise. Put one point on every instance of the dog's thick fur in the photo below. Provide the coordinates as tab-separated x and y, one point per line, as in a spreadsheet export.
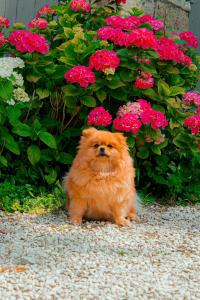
101	187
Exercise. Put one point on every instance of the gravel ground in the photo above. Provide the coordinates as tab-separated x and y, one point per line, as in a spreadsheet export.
158	257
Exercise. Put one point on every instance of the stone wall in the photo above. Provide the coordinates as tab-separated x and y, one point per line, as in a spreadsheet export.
175	12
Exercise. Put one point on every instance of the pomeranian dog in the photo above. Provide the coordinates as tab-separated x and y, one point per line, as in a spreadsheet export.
100	184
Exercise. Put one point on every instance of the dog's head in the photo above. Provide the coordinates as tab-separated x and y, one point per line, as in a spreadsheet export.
102	147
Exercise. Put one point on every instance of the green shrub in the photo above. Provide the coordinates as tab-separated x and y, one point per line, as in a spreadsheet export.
38	138
28	199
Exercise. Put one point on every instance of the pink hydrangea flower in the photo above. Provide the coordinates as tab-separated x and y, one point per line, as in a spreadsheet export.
142	38
128	23
3	40
115	35
99	117
144	104
38	23
45	11
191	97
82	5
156	24
144	81
193	123
103	60
4	22
127	123
80	74
189	38
26	41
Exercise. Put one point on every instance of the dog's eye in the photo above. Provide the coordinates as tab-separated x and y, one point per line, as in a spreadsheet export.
110	146
96	145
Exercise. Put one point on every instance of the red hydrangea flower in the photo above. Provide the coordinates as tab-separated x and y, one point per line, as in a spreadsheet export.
144	81
115	35
127	123
154	23
128	23
193	123
4	22
38	23
26	41
156	118
168	50
3	40
77	5
185	59
45	11
80	74
99	117
142	38
118	2
103	60
189	38
191	97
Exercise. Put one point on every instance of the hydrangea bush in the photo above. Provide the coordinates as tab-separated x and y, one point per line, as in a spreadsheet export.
92	65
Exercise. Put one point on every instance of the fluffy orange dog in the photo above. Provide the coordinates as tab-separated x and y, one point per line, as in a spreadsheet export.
100	183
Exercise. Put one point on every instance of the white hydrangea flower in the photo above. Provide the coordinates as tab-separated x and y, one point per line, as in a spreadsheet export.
11	102
18	81
8	64
19	94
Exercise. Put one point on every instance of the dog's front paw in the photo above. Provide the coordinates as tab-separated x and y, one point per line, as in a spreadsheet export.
76	221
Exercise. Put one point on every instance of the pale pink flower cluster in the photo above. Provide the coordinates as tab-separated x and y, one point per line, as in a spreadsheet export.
81	5
45	11
4	22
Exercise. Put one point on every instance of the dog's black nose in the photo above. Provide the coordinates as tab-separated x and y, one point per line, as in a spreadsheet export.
102	151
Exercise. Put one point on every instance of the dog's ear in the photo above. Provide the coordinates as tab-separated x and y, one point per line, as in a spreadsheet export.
89	131
121	138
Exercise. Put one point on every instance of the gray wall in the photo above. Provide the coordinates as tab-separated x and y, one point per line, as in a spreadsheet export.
22	10
195	24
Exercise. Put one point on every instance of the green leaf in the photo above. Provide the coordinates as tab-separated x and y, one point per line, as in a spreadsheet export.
36	124
155	149
42	93
70	90
143	153
126	75
176	90
3	161
10	143
119	94
51	178
151	94
70	101
48	139
34	154
33	77
13	114
131	142
174	102
6	89
65	158
114	84
182	140
88	101
23	130
101	95
163	88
